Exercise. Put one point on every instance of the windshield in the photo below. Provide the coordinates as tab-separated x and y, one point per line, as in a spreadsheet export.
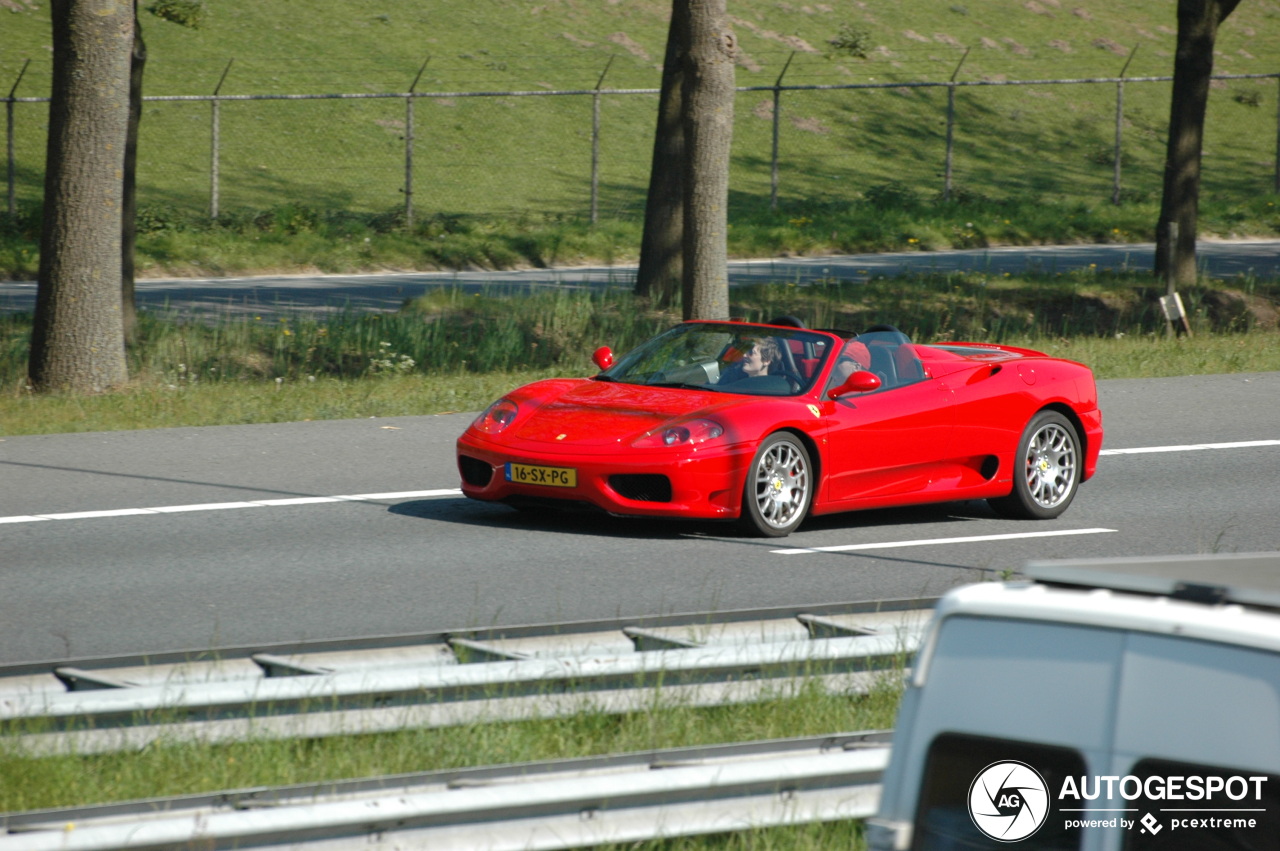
757	361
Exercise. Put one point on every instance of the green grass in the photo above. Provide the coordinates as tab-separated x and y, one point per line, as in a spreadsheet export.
28	783
504	182
1035	160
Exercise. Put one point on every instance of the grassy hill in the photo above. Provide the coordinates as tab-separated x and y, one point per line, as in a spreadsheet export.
1019	149
359	45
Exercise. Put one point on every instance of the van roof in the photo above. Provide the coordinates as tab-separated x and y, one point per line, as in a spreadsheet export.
1250	579
1230	599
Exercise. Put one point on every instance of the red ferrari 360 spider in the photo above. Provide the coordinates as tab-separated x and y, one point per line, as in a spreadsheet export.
766	424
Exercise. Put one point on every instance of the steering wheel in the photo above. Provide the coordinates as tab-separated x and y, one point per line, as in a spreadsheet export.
787	321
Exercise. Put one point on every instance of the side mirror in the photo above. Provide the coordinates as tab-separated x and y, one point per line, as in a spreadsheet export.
862	381
603	357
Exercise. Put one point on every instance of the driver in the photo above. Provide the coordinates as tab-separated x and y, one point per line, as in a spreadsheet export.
762	352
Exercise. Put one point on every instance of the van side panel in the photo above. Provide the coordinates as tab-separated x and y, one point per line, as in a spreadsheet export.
1229	696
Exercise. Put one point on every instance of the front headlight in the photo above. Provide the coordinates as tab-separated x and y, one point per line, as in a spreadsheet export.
497	416
689	433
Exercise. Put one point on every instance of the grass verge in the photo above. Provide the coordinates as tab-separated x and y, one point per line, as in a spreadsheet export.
175	769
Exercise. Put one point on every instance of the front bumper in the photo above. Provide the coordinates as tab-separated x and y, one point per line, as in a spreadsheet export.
701	482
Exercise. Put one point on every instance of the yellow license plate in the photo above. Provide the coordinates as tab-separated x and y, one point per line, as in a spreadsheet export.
554	477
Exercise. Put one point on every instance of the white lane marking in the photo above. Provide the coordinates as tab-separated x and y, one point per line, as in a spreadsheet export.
1191	447
208	506
928	542
222	506
313	500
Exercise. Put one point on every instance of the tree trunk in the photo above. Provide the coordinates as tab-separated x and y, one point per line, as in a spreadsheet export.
77	342
129	207
1198	22
708	132
661	250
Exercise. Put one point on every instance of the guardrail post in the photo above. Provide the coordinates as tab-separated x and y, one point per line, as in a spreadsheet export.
951	126
1115	181
408	147
9	134
595	144
216	142
777	114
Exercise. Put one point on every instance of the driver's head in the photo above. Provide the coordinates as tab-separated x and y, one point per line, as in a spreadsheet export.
763	351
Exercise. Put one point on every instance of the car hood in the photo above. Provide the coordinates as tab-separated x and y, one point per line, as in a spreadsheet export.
601	413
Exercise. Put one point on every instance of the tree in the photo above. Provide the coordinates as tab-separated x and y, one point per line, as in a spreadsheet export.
185	13
77	340
1198	22
707	100
129	205
661	250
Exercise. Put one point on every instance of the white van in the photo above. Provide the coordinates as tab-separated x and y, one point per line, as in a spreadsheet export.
1119	704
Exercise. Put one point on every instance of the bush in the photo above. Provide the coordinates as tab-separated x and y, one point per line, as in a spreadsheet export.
186	13
163	218
892	195
289	219
23	223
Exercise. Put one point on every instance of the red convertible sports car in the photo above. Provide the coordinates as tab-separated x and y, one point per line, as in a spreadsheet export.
766	424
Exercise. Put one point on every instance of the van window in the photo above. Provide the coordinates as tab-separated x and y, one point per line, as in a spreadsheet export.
956	762
1183	817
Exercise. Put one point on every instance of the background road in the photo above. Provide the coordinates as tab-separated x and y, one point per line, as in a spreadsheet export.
148	541
311	293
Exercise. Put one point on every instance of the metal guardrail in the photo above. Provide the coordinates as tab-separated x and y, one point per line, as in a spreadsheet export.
548	805
445	679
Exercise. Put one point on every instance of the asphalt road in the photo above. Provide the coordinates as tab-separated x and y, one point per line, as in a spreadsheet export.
321	293
149	541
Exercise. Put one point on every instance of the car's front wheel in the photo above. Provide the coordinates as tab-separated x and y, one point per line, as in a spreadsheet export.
1046	469
779	487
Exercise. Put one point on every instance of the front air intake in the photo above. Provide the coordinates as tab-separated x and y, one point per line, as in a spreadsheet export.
642	487
474	471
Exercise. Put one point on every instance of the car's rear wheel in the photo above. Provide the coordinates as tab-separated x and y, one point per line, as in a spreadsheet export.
779	487
1047	469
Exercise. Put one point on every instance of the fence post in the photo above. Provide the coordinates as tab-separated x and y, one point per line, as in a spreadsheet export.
9	133
595	144
951	126
777	117
216	142
408	147
1115	181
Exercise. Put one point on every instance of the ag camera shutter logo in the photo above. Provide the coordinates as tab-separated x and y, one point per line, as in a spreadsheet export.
1008	801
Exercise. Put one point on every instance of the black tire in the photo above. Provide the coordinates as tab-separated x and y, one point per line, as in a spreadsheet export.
1046	469
779	487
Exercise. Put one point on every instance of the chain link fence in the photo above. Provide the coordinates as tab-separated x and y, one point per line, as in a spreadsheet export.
801	138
